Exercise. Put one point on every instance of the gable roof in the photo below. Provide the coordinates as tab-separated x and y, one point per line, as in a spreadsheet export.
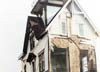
96	31
89	20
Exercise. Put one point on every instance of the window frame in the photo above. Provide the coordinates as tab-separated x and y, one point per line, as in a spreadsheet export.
63	23
67	59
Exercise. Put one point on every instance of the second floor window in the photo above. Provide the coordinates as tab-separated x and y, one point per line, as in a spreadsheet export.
64	28
81	29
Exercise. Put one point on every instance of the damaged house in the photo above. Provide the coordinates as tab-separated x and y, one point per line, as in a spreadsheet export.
60	37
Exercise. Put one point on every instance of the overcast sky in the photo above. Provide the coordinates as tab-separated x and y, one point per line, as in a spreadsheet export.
13	17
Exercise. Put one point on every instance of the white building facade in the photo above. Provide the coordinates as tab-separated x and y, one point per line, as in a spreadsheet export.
61	42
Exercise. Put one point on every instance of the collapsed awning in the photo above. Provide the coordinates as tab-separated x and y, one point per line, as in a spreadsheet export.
33	24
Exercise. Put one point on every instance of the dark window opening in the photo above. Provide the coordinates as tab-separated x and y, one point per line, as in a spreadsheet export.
84	60
59	60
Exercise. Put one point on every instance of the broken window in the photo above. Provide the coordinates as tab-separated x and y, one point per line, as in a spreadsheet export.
41	62
59	60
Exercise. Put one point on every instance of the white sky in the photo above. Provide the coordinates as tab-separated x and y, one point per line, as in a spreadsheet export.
13	17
